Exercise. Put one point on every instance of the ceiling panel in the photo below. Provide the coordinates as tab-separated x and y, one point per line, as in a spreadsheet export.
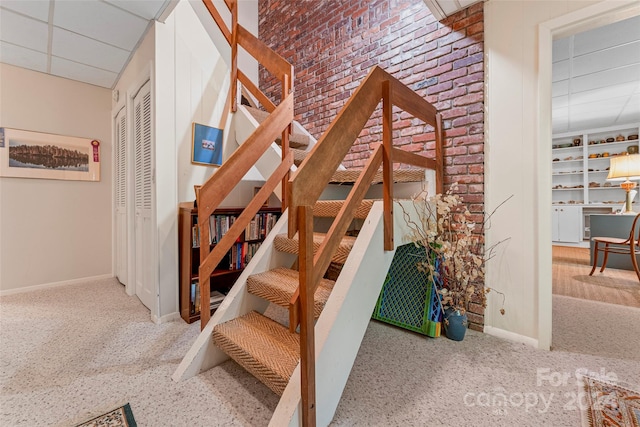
75	71
23	57
618	56
38	9
607	36
100	21
596	78
147	9
23	31
81	49
85	40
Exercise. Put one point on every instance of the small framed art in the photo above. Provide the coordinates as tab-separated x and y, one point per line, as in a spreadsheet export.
206	145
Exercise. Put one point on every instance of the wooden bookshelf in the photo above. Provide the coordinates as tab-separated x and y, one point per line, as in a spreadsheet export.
227	272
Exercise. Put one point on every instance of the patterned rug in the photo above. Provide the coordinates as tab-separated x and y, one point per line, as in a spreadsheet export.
610	405
119	417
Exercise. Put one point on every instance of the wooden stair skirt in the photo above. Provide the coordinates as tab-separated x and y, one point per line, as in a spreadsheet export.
262	346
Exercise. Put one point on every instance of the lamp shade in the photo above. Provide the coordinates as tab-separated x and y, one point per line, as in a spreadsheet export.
624	167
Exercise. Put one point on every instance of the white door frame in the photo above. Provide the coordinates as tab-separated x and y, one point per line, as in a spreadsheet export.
590	17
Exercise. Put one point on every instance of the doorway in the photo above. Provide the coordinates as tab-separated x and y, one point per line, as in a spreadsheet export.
582	20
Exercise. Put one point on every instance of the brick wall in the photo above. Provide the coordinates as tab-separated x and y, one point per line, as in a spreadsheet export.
333	44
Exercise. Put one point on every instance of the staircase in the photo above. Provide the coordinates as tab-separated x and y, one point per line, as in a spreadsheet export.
327	316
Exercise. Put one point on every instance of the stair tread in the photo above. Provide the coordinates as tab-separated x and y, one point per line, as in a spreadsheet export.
283	244
330	208
296	140
401	175
262	346
279	285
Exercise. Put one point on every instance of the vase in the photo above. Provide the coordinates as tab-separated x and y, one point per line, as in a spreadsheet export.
457	325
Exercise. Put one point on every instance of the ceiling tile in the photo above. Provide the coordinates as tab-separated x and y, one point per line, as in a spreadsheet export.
100	21
560	101
596	95
607	36
618	56
84	73
81	49
560	49
603	79
560	70
148	9
22	31
22	57
560	88
38	9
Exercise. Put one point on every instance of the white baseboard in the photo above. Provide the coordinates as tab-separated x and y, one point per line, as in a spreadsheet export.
166	318
511	336
54	284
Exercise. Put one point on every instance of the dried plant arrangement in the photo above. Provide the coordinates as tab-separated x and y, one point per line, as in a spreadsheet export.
455	254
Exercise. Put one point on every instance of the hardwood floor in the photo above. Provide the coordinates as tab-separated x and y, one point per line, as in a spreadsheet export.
571	278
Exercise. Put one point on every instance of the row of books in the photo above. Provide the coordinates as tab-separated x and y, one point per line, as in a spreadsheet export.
241	253
219	225
194	302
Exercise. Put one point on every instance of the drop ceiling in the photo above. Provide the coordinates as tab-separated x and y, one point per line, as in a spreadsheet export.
86	40
596	78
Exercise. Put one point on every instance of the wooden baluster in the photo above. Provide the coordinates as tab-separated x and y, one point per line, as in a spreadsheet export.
387	165
439	154
307	338
204	279
285	142
234	55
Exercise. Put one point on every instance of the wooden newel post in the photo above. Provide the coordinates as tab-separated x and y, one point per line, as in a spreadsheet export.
387	164
307	323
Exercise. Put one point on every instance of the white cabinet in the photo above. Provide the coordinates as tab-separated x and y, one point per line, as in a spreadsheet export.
566	224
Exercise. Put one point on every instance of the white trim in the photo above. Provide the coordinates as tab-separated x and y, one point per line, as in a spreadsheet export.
511	336
171	317
55	284
590	17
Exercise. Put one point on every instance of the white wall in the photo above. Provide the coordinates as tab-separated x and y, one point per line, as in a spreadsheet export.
517	161
54	231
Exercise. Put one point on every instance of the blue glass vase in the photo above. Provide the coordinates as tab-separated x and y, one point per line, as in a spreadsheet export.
457	325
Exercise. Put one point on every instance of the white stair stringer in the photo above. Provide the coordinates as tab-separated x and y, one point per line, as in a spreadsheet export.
203	354
341	326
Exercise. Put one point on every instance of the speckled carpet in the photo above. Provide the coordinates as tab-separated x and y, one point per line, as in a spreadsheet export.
66	351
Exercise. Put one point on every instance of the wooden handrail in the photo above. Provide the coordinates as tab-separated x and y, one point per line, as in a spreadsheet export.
253	89
218	19
268	58
313	175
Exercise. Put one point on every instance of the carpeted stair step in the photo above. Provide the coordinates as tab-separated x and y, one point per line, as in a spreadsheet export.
330	208
278	286
401	175
296	140
283	244
262	346
298	156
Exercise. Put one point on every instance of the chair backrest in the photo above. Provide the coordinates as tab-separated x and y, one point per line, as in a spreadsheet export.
634	234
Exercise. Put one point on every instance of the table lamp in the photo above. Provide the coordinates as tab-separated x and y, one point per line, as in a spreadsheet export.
625	168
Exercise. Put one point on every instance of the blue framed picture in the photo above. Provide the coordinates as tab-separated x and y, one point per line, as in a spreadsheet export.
206	146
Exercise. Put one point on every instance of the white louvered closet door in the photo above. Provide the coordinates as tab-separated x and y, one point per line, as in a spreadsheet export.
121	195
143	195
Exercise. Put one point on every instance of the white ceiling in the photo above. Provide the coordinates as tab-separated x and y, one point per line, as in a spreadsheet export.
443	8
86	40
596	77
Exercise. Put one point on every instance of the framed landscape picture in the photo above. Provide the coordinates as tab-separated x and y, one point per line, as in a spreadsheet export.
27	154
206	146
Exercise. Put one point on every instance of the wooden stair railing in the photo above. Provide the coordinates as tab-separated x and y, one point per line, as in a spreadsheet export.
220	184
313	175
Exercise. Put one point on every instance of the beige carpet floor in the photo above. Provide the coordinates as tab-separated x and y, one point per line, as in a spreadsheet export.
68	352
571	278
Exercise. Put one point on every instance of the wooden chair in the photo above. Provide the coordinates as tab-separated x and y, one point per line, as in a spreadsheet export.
616	245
